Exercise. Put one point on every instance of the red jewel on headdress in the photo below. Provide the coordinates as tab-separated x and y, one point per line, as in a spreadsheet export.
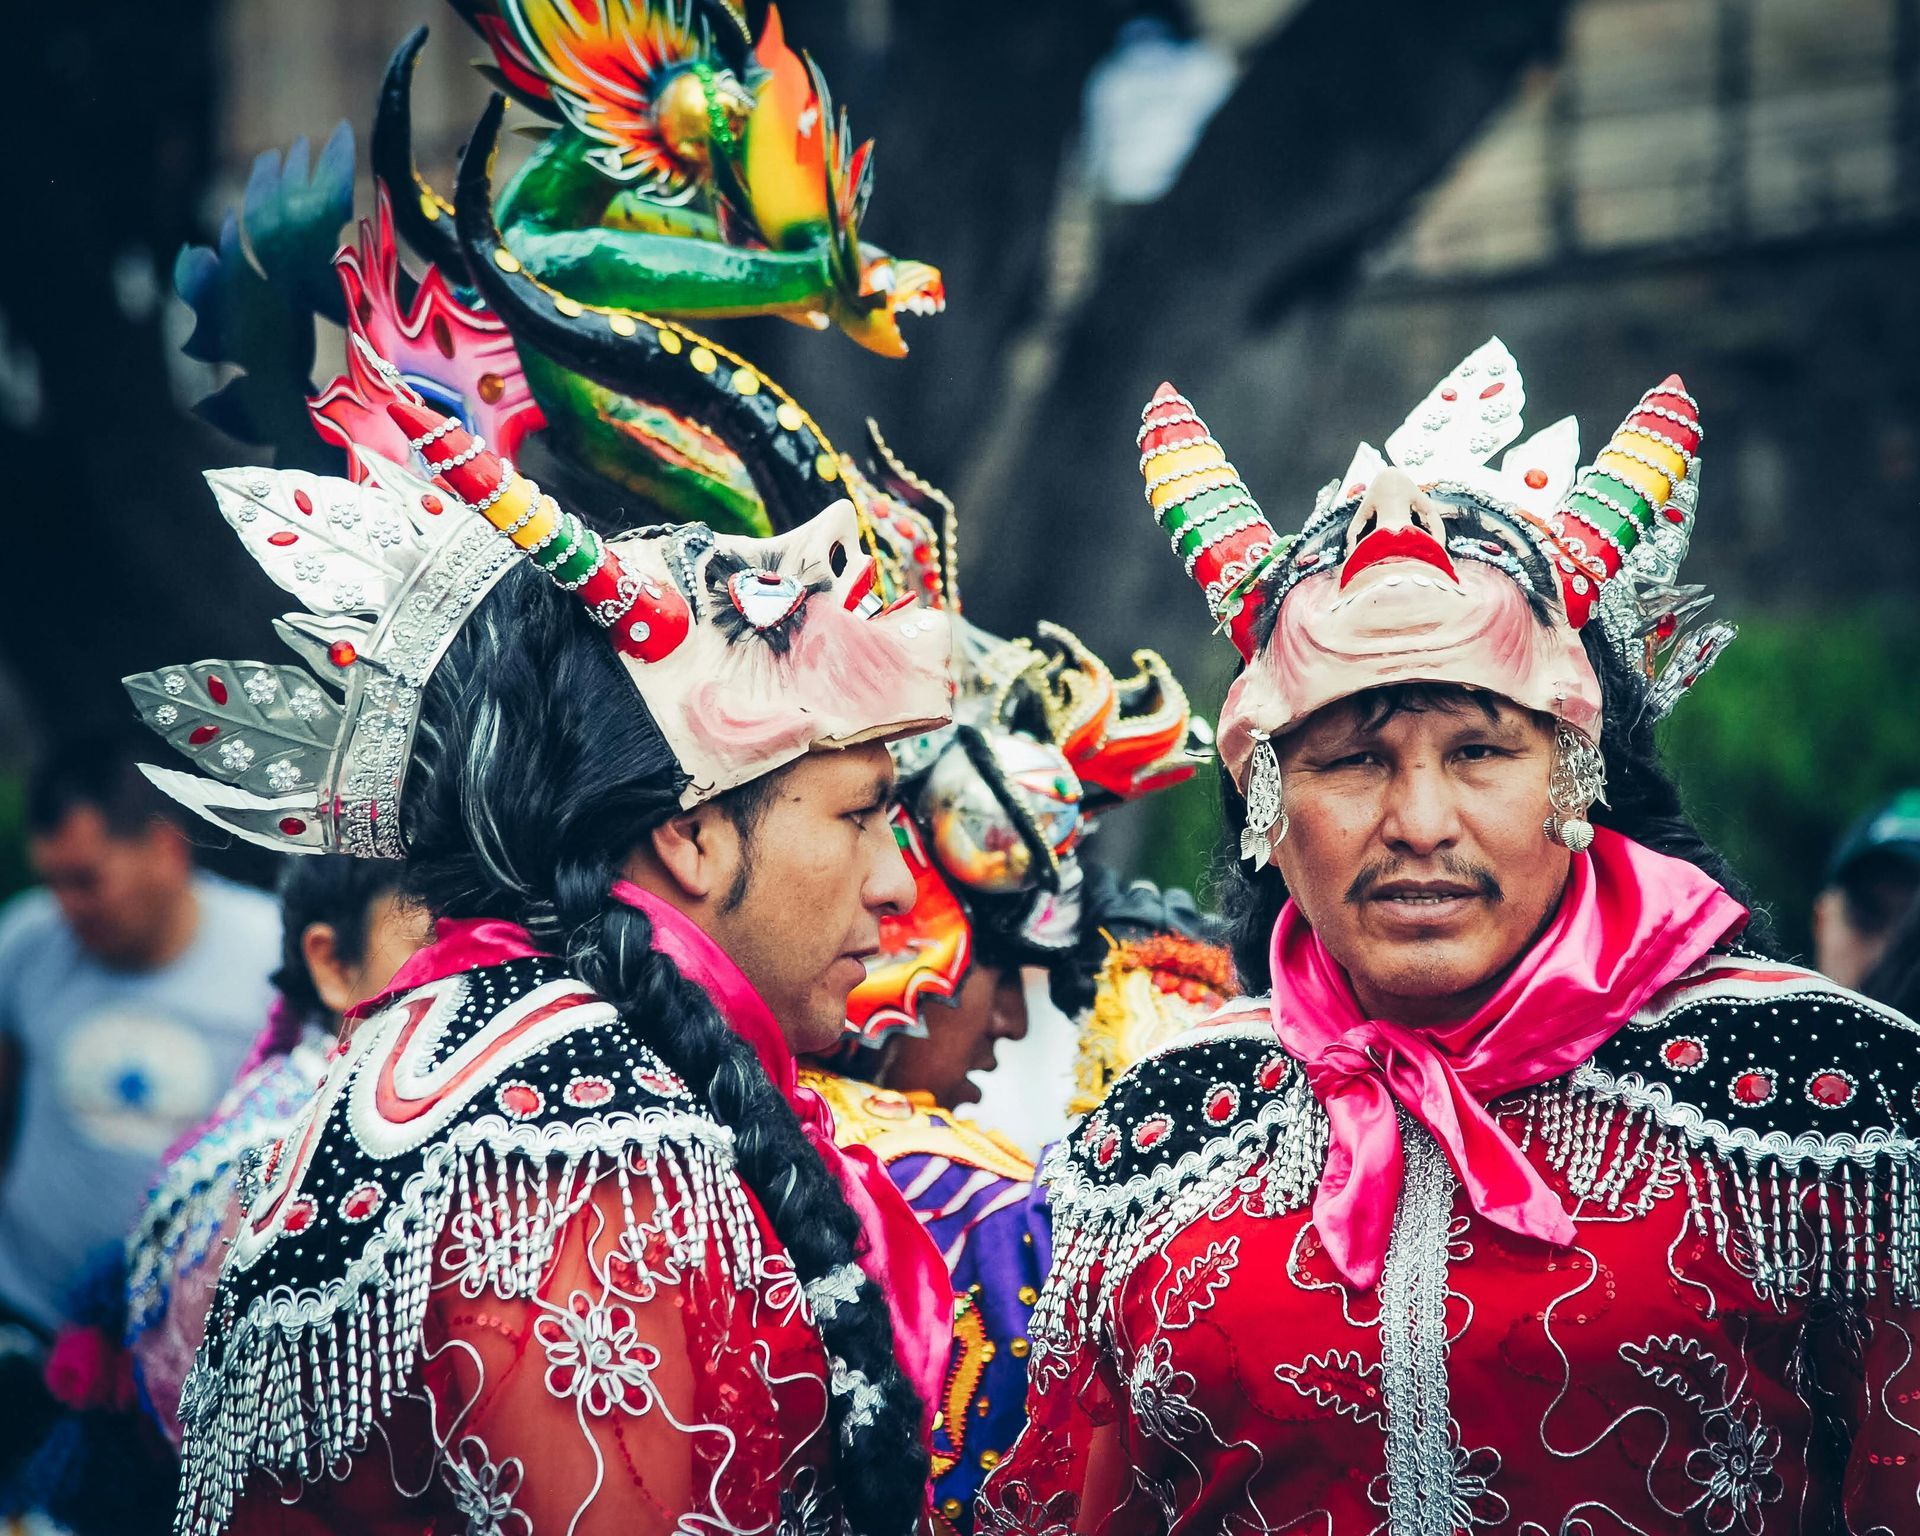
1753	1087
342	654
299	1216
304	502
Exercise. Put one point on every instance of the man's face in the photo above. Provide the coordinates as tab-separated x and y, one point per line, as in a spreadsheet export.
814	877
120	895
1415	848
990	1006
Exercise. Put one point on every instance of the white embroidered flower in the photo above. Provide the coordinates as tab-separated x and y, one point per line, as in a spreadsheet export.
166	714
781	1289
346	514
261	687
175	683
594	1353
306	703
1159	1395
482	1492
349	594
282	775
1735	1467
235	755
309	568
385	532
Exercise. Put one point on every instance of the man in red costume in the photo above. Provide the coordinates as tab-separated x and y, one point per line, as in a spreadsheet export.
560	1245
1533	1197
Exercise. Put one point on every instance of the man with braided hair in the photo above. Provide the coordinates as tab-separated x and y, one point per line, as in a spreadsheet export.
560	1244
1533	1197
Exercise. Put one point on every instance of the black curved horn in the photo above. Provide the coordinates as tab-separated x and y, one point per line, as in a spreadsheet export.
790	461
431	238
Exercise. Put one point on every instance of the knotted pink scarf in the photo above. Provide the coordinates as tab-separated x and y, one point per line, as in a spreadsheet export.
1629	922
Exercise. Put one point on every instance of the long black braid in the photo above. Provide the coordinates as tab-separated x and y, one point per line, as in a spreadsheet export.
1643	803
536	770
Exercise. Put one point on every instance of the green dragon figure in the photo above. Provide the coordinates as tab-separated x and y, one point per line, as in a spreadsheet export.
686	173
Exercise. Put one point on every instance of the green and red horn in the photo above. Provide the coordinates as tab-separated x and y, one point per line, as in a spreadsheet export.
1216	526
1616	500
647	620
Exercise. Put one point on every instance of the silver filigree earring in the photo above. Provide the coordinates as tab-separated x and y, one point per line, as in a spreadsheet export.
1579	781
1266	810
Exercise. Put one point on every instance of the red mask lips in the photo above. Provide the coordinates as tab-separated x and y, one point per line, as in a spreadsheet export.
1397	544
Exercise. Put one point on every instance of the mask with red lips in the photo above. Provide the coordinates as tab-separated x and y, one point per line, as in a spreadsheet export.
1428	564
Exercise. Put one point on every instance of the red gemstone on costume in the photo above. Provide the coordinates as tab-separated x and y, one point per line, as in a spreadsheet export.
434	505
1151	1131
1829	1088
300	1214
1272	1070
1665	628
362	1201
342	654
1673	514
304	502
1221	1105
1491	390
202	734
586	1092
1537	478
1684	1054
293	826
282	539
1449	393
216	690
1753	1088
521	1100
1108	1150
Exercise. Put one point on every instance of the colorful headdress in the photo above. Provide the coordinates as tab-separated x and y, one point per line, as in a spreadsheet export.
1430	565
747	652
993	808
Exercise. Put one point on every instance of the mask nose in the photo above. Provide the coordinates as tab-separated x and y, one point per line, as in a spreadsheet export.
1397	520
1393	504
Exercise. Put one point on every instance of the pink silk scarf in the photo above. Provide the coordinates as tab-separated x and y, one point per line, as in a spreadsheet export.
1629	922
898	1255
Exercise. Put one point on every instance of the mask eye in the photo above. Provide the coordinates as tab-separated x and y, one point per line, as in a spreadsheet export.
837	558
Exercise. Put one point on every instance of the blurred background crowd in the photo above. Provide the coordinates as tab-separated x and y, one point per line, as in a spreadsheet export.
1301	211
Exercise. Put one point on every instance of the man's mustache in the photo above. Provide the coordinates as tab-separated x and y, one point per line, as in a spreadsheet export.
1452	865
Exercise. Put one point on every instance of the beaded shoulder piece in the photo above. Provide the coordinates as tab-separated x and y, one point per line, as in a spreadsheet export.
1790	1101
1179	1132
464	1126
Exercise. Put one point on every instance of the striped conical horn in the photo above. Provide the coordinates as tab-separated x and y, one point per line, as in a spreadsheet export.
1216	526
647	620
1616	500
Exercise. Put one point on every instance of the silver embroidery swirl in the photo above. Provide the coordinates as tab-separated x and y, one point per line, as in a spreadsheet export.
1421	1496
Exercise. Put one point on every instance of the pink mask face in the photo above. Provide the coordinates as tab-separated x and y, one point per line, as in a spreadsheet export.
788	650
1389	603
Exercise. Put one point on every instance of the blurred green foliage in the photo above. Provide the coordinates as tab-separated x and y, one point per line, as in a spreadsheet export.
1804	723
